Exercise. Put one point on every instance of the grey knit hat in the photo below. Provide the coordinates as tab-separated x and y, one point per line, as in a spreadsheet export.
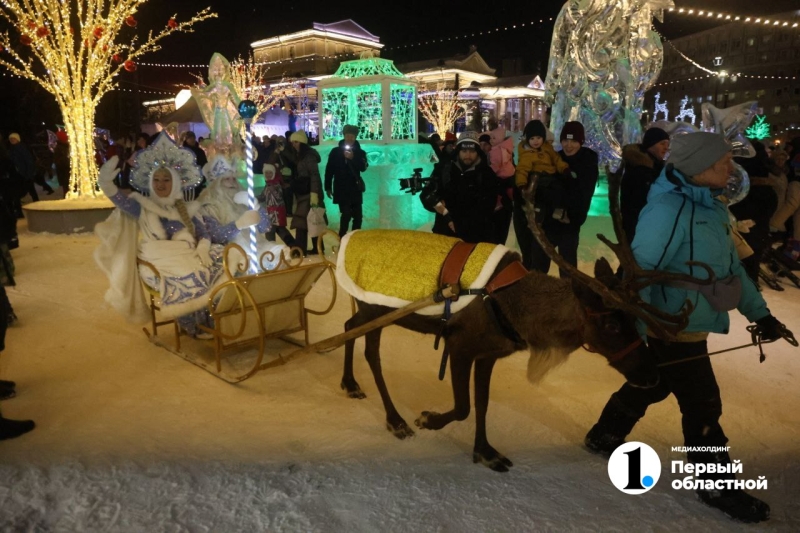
693	153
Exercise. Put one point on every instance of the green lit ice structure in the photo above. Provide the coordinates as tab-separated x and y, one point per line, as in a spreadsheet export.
372	94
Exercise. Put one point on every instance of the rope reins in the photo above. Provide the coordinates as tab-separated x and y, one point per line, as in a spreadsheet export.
756	340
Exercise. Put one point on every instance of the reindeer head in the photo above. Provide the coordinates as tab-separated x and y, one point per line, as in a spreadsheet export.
612	304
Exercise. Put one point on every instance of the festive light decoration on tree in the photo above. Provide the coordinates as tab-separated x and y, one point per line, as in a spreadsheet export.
660	108
759	130
685	112
441	109
75	53
247	77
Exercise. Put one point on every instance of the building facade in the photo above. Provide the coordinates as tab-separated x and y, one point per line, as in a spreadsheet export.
758	62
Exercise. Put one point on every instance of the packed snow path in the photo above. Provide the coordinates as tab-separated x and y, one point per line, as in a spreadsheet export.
131	438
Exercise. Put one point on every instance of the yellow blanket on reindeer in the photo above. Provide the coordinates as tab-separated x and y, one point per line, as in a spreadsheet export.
397	267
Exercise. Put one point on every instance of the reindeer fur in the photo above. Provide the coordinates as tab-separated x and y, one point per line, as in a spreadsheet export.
549	314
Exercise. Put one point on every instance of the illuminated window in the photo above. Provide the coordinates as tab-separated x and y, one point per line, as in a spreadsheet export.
777	109
760	93
732	96
751	41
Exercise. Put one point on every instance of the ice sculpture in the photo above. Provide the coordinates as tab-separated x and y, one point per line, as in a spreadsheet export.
603	57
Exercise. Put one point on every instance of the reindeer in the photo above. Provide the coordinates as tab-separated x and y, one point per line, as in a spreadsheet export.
549	317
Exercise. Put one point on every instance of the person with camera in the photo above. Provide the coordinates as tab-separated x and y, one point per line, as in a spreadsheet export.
463	193
343	181
684	221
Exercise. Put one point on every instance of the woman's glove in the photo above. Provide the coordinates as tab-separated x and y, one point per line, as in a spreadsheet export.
249	218
203	251
771	328
108	172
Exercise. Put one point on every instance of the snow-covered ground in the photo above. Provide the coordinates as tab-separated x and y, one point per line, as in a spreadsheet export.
131	438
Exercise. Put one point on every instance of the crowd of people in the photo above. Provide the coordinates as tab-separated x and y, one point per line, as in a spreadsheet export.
189	207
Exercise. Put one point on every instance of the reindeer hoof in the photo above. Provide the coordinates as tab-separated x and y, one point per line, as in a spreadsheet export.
401	430
493	459
353	390
424	420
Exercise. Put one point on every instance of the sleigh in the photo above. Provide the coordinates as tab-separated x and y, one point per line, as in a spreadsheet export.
250	313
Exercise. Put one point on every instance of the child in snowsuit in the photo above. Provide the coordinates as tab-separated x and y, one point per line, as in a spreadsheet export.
536	156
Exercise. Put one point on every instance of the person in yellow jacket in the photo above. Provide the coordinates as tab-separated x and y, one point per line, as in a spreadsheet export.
537	156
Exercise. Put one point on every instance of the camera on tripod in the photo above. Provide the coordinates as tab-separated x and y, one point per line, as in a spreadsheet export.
415	183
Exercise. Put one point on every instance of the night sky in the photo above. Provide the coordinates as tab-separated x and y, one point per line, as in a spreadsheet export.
242	22
237	26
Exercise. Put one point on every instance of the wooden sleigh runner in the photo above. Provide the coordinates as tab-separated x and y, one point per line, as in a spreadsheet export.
249	312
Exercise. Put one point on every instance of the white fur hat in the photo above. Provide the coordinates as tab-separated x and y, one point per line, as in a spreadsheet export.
219	167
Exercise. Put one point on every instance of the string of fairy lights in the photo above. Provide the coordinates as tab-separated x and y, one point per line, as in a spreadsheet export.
722	73
727	17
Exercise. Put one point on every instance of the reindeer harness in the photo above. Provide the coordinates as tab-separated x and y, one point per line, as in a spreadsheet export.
450	275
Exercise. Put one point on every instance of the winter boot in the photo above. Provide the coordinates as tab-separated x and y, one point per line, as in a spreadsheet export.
616	421
11	429
735	503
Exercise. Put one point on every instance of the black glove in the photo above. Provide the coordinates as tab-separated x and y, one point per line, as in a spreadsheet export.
770	328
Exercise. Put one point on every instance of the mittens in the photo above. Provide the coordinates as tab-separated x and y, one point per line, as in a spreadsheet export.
203	251
106	178
249	218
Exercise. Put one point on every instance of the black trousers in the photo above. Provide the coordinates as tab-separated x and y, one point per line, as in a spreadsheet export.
565	241
525	238
694	386
349	212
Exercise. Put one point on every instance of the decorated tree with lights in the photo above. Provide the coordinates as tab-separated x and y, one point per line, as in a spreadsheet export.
247	77
441	109
759	130
75	50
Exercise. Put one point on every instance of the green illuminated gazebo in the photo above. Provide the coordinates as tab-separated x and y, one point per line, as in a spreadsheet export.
372	94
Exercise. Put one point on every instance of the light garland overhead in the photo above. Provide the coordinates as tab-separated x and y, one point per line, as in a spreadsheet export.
713	15
473	34
78	65
721	73
256	63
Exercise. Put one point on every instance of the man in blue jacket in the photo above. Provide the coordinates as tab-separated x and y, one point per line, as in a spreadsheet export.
684	221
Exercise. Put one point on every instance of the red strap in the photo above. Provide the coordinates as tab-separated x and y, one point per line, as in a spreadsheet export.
454	264
508	276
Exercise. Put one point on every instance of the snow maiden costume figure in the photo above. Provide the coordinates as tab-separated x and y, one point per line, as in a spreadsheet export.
225	213
156	225
218	103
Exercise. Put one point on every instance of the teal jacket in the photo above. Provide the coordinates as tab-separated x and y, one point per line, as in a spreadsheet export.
682	222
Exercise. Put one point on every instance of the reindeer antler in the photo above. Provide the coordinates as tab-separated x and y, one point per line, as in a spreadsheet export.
626	297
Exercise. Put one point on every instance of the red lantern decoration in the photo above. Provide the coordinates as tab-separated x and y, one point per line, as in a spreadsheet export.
302	85
105	48
98	32
26	40
71	31
172	23
130	21
42	31
1	48
116	58
61	135
129	65
31	25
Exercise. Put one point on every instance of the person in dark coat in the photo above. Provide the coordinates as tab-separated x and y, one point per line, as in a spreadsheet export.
759	206
463	194
583	163
343	181
643	164
25	165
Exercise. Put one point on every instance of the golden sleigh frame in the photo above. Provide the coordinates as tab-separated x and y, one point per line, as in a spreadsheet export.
250	309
